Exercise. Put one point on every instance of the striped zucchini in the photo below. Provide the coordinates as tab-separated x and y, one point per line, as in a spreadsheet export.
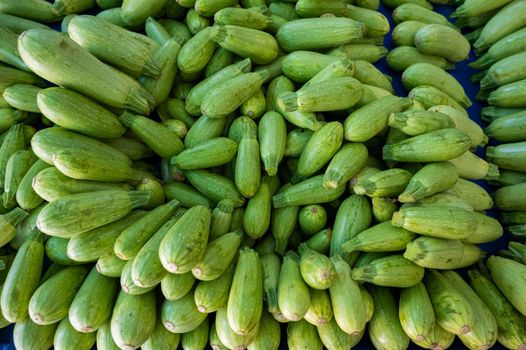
61	61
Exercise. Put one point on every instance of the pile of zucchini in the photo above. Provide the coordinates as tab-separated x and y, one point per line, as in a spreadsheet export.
220	172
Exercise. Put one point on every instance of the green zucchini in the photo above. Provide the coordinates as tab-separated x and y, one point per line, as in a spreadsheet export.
133	319
385	329
22	280
505	22
67	337
218	255
212	295
62	52
293	292
191	230
245	301
382	237
93	303
324	33
402	57
446	298
175	286
181	315
61	218
29	335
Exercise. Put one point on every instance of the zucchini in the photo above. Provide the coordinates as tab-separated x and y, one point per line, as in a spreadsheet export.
181	315
245	301
390	271
191	230
93	303
63	62
22	280
67	337
323	33
506	21
133	319
385	329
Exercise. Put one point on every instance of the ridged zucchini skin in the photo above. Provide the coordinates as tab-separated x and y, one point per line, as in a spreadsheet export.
78	213
224	98
135	236
429	74
29	335
49	53
257	215
416	313
510	45
353	216
127	284
181	316
207	154
312	219
197	338
415	12
483	334
136	12
445	298
214	186
73	111
50	302
175	286
442	254
110	265
508	275
22	280
159	138
333	338
320	148
511	324
302	335
257	45
382	237
310	191
147	270
510	95
36	10
403	57
228	337
68	338
366	122
211	296
324	33
432	40
385	329
426	147
104	339
219	254
93	303
316	269
133	319
506	21
51	184
161	338
184	244
404	32
198	92
346	299
245	301
390	271
91	245
320	310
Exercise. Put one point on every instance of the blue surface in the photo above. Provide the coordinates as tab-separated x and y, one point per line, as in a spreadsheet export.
463	74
